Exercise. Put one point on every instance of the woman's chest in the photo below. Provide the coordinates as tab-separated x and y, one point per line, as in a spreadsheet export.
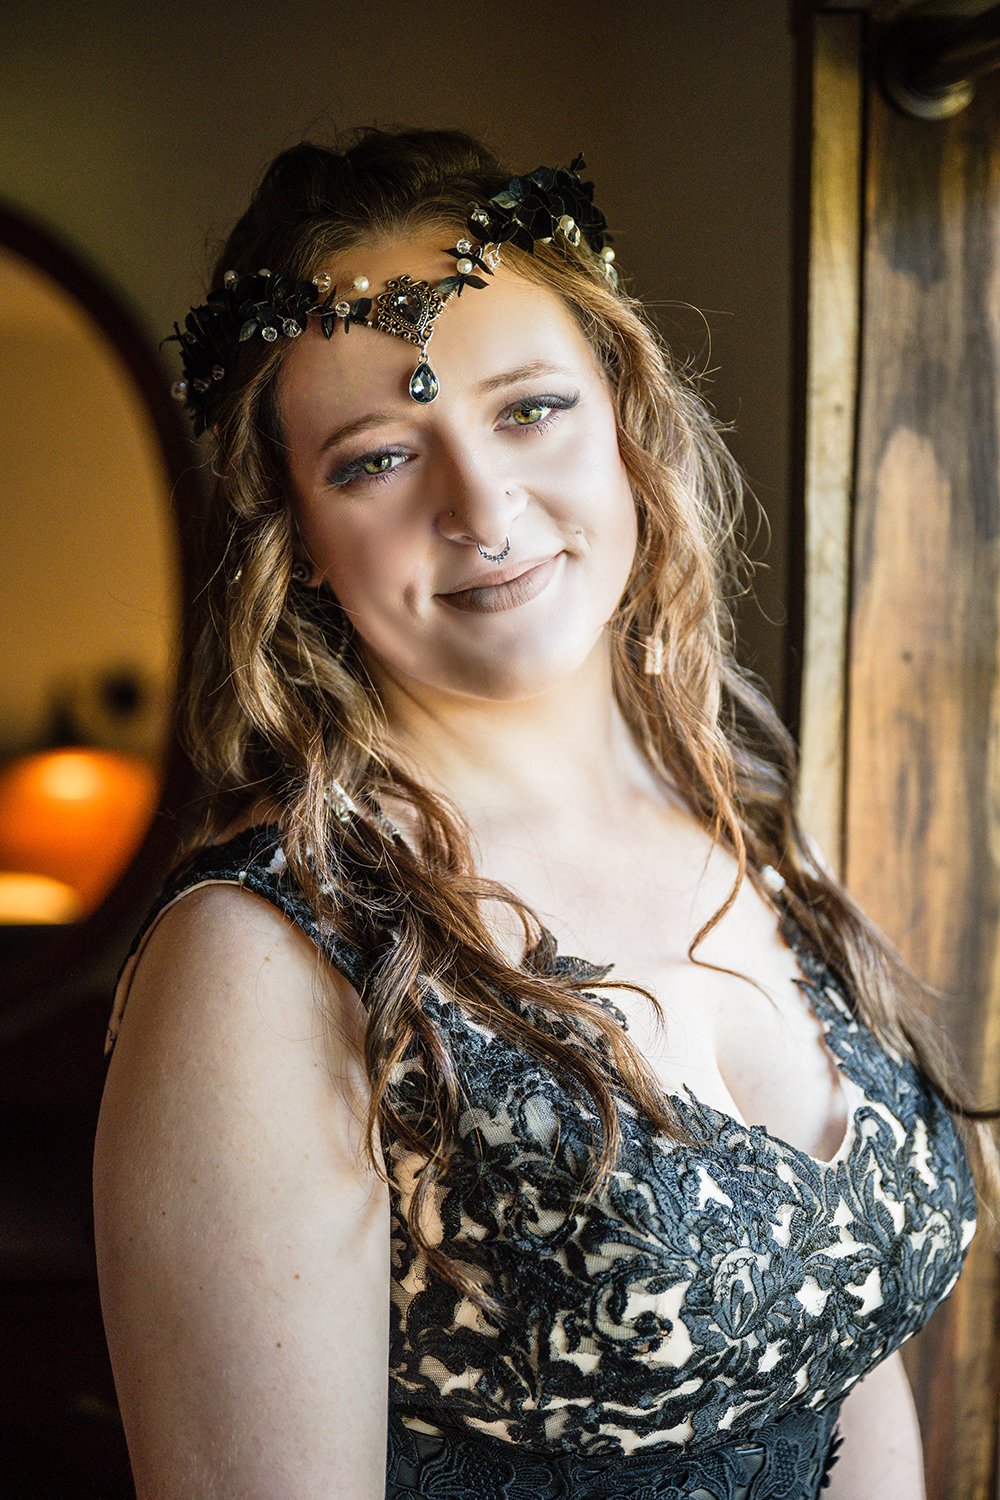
761	1058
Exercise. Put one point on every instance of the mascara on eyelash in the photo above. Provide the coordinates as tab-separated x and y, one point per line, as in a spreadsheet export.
355	468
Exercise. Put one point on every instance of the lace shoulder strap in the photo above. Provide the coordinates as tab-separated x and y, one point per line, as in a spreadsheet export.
255	860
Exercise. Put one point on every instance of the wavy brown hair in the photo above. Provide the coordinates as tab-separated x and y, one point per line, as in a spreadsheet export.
275	710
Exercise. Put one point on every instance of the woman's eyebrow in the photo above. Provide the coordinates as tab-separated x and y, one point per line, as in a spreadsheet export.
529	371
351	429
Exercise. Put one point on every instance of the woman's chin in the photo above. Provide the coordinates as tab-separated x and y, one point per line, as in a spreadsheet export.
515	676
501	672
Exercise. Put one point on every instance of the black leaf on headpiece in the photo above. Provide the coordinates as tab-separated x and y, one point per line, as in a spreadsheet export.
529	208
544	177
456	284
511	195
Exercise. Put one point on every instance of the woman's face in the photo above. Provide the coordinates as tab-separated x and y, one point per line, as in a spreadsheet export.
394	499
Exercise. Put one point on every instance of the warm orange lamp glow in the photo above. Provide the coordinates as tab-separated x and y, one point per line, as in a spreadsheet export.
37	899
76	816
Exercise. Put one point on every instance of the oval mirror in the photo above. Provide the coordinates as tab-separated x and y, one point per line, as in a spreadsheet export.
95	469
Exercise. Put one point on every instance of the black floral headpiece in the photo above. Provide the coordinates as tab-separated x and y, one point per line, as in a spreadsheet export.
534	208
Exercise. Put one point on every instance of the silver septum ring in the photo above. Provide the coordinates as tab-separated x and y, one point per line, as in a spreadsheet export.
496	557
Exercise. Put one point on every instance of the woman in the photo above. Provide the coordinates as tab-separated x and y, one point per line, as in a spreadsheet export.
465	692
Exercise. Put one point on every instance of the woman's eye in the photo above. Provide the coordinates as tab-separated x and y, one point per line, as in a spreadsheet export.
538	411
528	413
375	466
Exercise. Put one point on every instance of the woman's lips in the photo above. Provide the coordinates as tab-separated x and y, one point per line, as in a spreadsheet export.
491	598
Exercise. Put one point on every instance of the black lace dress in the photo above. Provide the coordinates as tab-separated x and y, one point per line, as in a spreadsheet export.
693	1328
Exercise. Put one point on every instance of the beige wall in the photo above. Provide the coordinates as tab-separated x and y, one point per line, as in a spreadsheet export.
136	129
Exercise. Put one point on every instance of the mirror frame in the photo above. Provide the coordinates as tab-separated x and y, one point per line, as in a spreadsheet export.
79	962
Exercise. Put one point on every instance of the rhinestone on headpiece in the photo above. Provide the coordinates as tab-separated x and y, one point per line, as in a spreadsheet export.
408	309
528	210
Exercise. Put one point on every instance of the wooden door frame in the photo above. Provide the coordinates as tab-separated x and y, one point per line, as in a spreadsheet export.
950	1364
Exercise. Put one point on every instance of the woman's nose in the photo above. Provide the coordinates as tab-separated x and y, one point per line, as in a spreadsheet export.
482	507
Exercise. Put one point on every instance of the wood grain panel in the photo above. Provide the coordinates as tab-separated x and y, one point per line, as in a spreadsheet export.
828	384
922	790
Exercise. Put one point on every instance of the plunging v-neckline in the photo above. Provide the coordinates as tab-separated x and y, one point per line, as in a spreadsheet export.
812	972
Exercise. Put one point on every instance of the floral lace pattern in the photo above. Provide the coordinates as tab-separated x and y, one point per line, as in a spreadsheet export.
704	1295
790	1460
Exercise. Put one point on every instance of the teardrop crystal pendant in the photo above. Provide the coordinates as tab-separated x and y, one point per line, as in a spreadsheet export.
424	384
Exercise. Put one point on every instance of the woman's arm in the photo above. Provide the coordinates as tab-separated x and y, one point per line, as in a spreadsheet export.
243	1244
881	1453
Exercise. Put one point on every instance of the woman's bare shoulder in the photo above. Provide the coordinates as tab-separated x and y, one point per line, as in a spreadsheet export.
228	998
226	965
242	1232
218	922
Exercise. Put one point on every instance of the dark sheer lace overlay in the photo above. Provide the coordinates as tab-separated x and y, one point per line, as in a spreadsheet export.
693	1327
